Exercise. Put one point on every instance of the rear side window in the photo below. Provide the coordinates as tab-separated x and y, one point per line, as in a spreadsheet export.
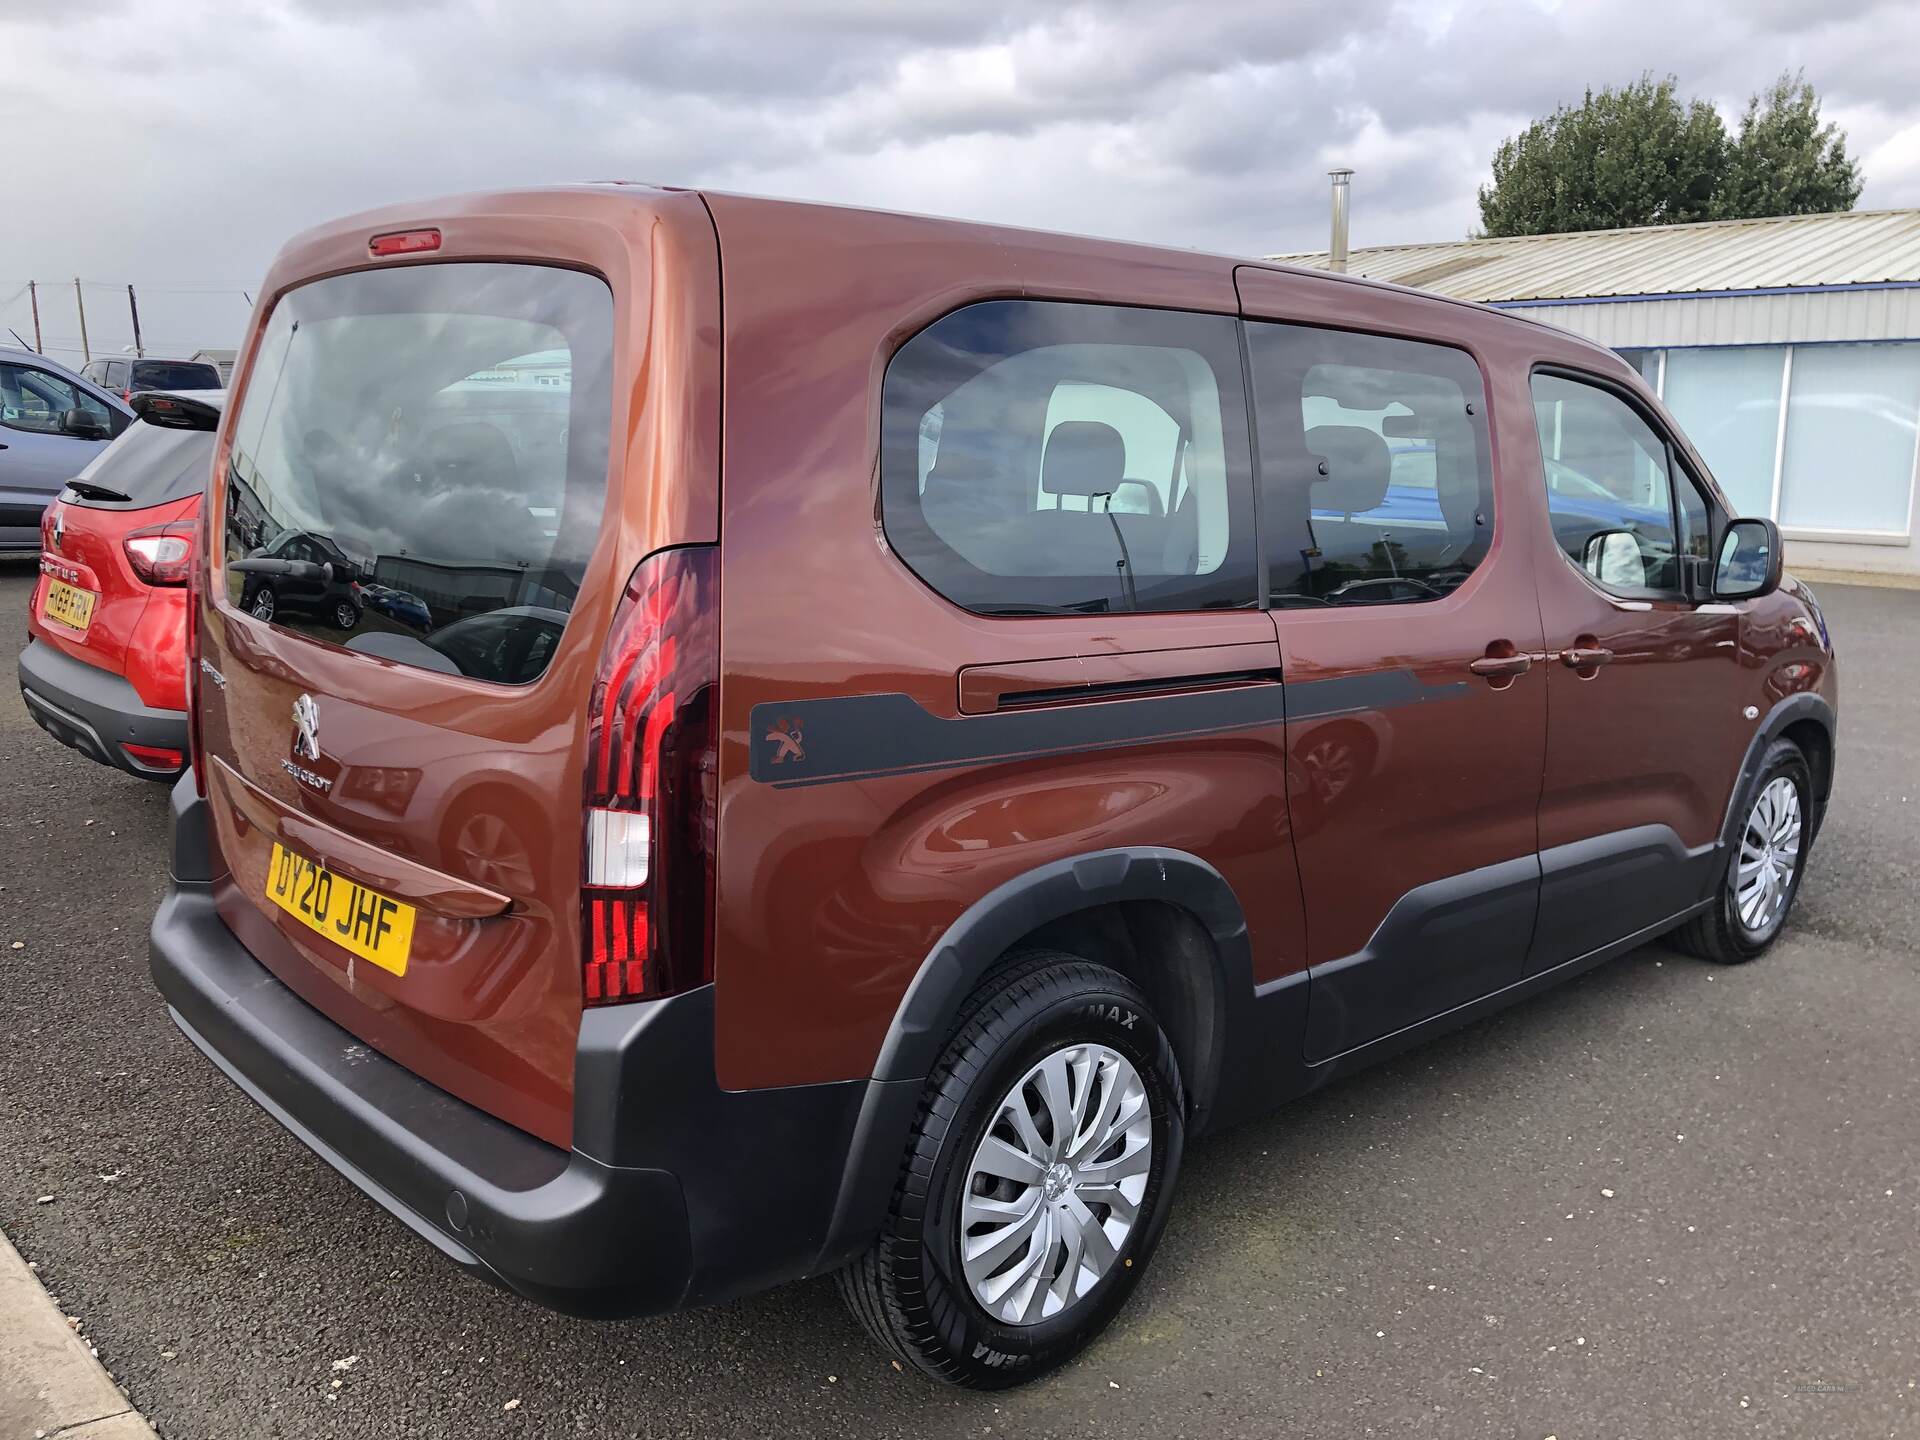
1042	457
153	464
420	447
174	375
1375	467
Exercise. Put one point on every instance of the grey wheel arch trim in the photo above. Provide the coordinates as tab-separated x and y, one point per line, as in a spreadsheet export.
970	948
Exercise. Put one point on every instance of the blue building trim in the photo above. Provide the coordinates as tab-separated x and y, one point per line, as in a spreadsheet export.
1705	294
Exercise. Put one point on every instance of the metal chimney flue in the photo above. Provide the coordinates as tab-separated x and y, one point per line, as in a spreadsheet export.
1337	248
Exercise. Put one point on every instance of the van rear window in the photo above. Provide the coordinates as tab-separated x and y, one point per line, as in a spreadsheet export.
419	463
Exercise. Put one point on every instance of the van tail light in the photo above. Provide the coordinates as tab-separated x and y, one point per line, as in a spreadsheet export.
652	759
196	590
162	554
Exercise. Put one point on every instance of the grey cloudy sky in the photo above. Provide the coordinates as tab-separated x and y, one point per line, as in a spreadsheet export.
178	144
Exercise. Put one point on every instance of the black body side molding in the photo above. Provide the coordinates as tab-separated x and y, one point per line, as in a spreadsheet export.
1442	944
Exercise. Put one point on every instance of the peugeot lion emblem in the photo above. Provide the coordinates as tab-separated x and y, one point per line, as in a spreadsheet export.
306	728
59	527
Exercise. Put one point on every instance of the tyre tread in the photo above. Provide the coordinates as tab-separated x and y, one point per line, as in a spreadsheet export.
880	1287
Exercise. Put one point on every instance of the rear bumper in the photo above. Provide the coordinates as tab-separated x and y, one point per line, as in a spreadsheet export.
675	1193
93	711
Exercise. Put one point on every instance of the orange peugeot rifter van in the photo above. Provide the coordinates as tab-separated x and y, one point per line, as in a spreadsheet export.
859	735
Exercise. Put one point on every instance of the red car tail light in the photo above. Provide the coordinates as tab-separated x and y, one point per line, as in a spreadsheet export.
162	554
652	757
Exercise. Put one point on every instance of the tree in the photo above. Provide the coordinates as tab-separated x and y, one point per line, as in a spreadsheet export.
1639	155
1784	162
1633	156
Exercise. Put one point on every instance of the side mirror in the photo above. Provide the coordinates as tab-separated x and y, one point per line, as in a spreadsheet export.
1613	558
84	424
1751	557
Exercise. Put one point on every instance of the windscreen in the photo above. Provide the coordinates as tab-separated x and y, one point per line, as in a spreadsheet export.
419	463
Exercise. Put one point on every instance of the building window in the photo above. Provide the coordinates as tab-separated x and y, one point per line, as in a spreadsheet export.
1728	403
1853	413
1843	459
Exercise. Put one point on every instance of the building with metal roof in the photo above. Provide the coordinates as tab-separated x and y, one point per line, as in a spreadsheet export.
1787	348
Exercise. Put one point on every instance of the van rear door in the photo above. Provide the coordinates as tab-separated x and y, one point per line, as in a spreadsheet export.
416	562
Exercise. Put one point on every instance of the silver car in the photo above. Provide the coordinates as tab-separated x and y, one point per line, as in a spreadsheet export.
52	423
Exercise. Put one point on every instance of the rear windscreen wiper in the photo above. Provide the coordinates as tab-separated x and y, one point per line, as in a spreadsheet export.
87	490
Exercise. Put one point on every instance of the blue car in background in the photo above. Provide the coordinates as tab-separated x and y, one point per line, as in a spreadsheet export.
409	609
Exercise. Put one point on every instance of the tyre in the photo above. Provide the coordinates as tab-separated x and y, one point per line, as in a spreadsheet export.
263	604
345	614
1036	1180
1763	872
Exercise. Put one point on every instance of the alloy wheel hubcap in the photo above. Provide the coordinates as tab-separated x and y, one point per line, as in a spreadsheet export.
1769	855
1055	1185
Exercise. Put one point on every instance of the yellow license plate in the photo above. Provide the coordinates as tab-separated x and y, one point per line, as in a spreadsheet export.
68	605
371	925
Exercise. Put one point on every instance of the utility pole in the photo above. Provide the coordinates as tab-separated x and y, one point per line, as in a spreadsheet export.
33	292
81	301
134	306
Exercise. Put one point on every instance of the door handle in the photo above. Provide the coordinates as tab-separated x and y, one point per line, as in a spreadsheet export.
1495	667
1585	657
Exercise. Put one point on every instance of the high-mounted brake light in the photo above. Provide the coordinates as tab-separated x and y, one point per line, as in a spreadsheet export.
162	554
404	242
652	738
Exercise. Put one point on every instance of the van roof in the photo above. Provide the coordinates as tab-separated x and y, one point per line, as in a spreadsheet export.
771	212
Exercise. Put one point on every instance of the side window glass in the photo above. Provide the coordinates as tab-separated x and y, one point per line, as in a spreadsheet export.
1609	491
1042	457
1375	466
35	400
1695	514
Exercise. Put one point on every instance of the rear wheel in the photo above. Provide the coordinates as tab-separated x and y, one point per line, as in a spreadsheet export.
345	615
1036	1181
263	603
1763	872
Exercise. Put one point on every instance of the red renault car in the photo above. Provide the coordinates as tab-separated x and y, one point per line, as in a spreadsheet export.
104	670
896	724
